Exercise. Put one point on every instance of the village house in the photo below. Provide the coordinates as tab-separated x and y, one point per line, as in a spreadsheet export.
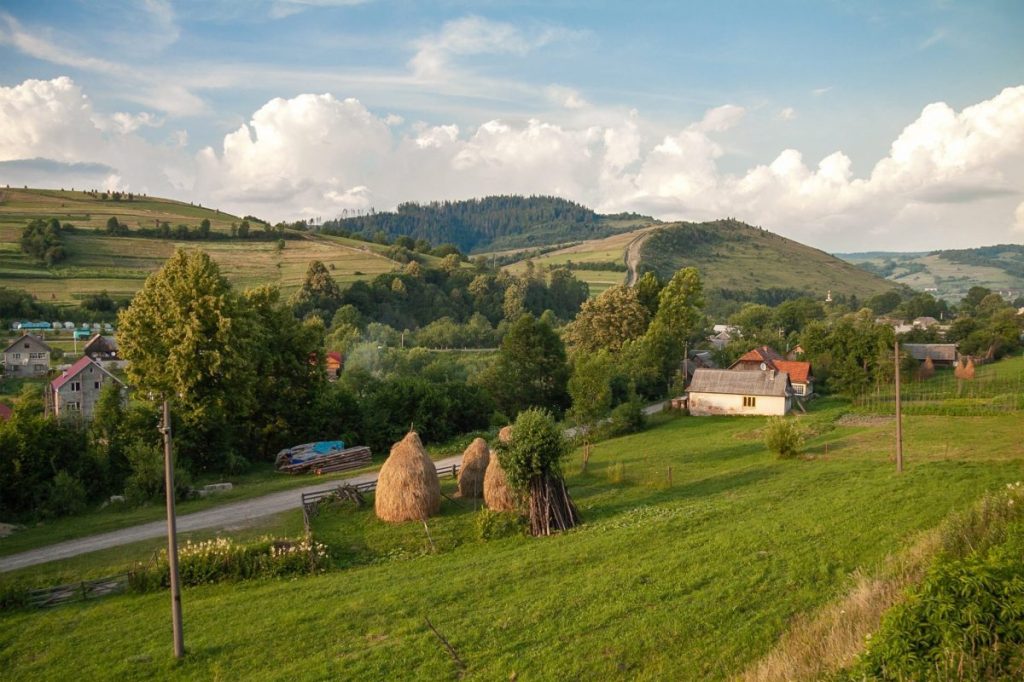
78	389
766	358
29	356
333	364
103	349
731	392
941	354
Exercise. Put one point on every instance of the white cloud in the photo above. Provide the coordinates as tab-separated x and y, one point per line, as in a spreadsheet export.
950	177
786	114
568	98
818	92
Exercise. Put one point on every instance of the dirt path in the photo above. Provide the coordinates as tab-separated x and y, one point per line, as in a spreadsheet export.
223	517
632	257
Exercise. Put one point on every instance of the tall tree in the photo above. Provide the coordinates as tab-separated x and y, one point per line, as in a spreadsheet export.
319	294
590	388
186	337
608	321
530	369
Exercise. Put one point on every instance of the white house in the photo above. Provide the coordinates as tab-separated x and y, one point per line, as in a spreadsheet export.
735	392
76	392
29	356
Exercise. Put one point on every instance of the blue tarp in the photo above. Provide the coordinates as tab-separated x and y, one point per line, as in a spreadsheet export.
310	451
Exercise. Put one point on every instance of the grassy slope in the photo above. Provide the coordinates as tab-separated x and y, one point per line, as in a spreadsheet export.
119	265
748	258
691	581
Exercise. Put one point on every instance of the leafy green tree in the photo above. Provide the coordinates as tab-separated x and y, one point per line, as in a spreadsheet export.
186	337
679	321
590	388
204	229
243	229
648	289
319	293
530	370
532	463
608	321
281	352
566	293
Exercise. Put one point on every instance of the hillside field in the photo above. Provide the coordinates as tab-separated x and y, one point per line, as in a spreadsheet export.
690	579
119	265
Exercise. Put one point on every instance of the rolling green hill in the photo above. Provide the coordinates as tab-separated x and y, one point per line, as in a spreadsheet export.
950	274
742	263
491	223
97	261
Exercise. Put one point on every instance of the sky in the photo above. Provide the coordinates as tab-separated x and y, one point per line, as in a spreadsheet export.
847	125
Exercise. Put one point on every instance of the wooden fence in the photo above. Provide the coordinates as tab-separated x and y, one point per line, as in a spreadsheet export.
84	590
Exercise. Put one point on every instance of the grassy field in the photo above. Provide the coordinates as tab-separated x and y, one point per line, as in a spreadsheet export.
119	265
689	580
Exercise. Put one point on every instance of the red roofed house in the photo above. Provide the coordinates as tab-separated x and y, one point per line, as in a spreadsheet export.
76	392
801	375
333	364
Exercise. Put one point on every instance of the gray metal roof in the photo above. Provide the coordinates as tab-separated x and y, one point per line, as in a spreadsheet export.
936	351
740	382
28	337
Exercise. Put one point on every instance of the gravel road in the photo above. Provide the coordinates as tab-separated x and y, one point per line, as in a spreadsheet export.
223	517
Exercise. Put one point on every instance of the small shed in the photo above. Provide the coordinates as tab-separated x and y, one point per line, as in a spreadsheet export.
941	354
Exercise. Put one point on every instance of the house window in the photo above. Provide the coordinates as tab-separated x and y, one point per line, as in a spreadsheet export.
96	385
34	356
17	356
749	401
72	406
76	385
798	389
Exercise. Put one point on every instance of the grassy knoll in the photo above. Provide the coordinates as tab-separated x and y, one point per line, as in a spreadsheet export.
689	581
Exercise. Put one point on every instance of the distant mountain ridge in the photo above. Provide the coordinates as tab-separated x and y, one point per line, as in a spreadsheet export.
489	223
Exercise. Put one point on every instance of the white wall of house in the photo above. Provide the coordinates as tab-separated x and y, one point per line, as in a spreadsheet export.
28	358
705	404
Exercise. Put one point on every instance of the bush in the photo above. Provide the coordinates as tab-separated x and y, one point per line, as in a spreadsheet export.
627	418
223	560
66	495
784	437
492	525
145	483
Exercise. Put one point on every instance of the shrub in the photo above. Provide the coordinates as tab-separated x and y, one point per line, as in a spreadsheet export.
145	483
66	495
627	418
223	560
784	437
492	525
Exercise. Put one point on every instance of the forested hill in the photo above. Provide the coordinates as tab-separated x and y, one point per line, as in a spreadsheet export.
490	223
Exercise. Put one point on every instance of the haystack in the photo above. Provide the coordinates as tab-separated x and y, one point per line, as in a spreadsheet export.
498	495
407	487
964	369
927	369
505	434
474	467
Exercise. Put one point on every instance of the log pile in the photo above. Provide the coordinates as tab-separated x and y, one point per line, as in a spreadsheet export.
350	458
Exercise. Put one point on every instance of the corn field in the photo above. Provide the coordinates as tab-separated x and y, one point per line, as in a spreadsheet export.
944	394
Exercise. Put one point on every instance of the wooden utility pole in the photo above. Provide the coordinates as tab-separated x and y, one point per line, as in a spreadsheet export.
172	535
899	415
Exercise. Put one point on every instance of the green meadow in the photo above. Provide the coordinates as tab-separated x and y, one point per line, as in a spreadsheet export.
688	575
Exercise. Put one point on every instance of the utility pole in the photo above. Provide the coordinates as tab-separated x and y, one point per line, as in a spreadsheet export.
172	535
899	415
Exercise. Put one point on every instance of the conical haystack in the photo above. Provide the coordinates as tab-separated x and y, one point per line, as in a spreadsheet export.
927	369
407	487
505	434
474	467
497	493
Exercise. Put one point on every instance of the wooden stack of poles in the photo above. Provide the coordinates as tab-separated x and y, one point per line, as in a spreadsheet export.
350	458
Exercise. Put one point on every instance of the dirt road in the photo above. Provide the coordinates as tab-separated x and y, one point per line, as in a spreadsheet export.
632	257
224	517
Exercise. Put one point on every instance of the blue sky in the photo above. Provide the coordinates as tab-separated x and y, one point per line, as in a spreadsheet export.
806	117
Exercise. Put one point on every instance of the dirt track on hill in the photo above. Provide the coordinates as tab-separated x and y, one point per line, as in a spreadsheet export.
632	257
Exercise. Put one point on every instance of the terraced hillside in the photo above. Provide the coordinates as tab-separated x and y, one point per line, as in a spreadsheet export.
97	261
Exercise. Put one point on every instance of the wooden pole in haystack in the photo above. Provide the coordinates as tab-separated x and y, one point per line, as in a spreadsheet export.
899	415
172	535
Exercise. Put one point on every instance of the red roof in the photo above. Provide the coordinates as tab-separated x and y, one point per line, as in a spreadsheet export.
5	412
72	371
334	355
765	354
798	371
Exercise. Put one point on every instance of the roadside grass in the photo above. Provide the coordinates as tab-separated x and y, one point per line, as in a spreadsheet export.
260	480
693	580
